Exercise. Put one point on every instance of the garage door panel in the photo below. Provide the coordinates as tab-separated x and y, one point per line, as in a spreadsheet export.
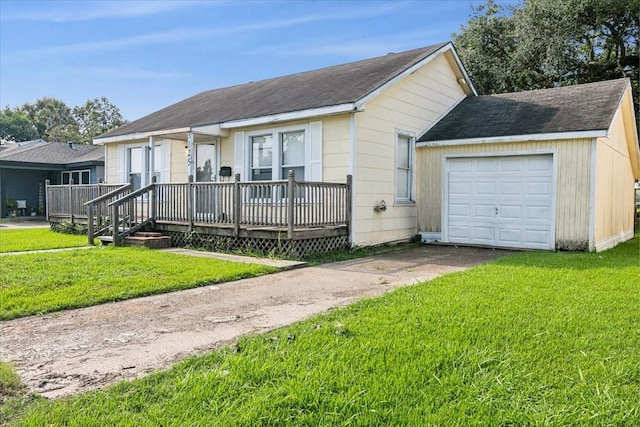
481	211
501	201
510	212
485	188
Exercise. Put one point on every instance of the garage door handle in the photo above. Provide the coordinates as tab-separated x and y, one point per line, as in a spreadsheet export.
496	210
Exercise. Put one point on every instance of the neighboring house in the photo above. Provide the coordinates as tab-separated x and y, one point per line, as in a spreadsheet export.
542	169
364	118
25	166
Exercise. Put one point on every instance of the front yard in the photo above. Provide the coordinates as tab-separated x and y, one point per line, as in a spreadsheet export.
33	239
533	339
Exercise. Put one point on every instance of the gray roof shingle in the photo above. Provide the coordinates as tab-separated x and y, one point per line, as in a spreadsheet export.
55	153
325	87
585	107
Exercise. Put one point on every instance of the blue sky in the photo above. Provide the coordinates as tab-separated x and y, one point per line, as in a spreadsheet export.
146	55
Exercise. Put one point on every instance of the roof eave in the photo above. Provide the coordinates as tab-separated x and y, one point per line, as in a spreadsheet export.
516	138
138	135
291	116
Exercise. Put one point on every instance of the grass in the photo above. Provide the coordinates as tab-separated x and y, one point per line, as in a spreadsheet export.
32	239
533	339
42	283
14	399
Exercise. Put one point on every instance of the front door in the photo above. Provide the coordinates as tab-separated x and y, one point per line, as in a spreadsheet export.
206	197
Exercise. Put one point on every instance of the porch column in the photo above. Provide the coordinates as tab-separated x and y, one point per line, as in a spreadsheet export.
152	160
190	148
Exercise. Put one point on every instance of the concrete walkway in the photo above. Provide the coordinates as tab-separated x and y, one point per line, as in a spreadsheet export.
77	350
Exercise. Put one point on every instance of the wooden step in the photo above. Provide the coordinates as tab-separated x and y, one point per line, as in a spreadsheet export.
155	241
106	240
147	234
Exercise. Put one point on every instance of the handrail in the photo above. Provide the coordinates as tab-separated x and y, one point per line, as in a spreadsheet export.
109	194
133	195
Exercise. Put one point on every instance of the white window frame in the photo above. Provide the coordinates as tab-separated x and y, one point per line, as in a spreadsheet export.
403	199
148	169
276	164
71	172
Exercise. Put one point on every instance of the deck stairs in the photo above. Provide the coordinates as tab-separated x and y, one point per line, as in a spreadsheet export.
147	239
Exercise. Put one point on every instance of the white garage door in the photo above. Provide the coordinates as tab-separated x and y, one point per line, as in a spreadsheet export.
502	201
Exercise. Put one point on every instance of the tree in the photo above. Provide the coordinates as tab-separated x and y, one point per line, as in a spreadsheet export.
95	117
16	126
548	43
52	120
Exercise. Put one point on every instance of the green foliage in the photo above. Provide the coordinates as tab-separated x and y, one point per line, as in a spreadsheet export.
16	126
96	117
32	239
42	283
546	43
538	338
52	120
69	228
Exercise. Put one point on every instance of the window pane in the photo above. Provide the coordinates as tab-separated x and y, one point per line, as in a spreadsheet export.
402	184
205	163
65	178
403	152
85	177
298	171
261	174
261	151
292	149
135	160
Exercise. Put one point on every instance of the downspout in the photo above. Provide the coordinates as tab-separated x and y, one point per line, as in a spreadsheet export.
592	196
352	172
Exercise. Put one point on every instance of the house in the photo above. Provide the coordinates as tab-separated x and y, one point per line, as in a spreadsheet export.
26	166
396	124
542	169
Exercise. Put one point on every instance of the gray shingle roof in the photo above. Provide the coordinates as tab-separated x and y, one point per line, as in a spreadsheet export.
325	87
56	153
585	107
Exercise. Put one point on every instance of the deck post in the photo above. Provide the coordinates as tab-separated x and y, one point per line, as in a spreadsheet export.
90	223
114	223
153	199
131	208
236	205
290	203
47	183
349	202
190	204
71	200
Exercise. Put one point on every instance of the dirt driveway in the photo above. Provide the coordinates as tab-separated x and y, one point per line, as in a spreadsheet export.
78	350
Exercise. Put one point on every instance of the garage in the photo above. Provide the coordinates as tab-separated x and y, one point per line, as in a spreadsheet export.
501	201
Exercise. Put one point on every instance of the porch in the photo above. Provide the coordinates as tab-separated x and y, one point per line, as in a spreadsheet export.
291	217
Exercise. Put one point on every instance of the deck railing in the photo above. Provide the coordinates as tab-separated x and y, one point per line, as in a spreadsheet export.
67	202
236	205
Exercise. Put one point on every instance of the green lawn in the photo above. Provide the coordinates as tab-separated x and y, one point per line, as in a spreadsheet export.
41	283
31	239
533	339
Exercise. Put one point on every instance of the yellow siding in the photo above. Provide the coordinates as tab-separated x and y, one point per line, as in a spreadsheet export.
572	187
614	180
410	105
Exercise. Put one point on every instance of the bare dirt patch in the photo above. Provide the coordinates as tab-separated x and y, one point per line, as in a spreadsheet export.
78	350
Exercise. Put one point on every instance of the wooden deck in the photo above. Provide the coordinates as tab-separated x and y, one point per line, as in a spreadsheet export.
263	213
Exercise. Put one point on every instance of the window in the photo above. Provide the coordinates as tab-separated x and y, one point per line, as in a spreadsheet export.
262	158
404	168
79	177
275	153
292	149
